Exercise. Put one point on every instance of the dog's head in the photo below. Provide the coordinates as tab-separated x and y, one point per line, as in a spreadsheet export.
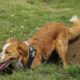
14	51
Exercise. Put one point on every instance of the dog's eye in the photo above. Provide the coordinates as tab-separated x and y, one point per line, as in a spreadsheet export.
7	52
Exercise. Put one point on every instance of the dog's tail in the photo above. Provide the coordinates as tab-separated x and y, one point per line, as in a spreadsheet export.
74	19
74	31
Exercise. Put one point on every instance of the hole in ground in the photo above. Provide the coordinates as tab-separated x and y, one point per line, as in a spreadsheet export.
54	58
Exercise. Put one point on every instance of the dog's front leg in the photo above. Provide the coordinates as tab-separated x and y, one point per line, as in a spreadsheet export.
37	59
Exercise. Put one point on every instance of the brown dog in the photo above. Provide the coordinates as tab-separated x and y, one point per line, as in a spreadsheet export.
31	53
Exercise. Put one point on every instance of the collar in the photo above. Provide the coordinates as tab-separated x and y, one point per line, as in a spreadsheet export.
32	53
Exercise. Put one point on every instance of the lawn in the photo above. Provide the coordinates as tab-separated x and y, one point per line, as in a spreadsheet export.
20	19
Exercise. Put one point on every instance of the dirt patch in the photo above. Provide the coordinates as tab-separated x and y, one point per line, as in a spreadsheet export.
73	54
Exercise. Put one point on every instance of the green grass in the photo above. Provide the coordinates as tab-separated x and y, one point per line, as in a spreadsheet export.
22	18
46	72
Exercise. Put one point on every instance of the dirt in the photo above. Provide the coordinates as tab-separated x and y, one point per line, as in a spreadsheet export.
73	54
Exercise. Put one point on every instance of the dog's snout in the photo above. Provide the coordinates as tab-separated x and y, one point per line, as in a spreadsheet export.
2	56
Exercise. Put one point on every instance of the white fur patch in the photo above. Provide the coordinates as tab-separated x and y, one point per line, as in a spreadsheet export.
5	47
2	54
74	19
19	64
26	43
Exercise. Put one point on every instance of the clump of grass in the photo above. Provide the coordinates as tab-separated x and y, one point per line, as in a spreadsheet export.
73	70
34	2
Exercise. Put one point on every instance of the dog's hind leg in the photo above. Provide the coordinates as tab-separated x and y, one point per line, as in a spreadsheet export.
61	47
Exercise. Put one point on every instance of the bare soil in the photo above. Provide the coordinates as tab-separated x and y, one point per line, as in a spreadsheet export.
73	54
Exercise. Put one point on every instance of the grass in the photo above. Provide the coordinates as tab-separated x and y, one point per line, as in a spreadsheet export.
22	18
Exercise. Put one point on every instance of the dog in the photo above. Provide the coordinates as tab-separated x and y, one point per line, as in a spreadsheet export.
37	50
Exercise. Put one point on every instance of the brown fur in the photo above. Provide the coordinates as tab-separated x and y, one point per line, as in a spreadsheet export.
52	36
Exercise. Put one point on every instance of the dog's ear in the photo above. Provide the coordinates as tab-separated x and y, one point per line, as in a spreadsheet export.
23	50
22	47
11	40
